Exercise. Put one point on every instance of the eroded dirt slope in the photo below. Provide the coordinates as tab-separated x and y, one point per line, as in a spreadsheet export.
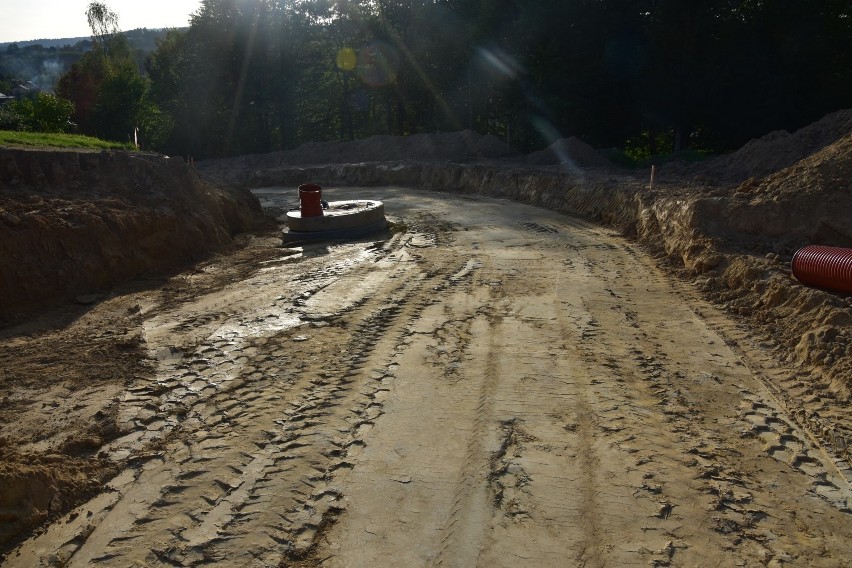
78	222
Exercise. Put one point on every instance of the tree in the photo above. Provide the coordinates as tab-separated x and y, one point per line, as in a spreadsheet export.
104	25
44	113
109	94
254	76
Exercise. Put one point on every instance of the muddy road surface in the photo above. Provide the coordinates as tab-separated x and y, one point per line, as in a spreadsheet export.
490	384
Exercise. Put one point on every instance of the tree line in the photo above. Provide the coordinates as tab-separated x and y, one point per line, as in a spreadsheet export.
253	76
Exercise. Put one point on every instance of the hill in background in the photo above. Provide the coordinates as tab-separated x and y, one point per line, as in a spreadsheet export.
43	61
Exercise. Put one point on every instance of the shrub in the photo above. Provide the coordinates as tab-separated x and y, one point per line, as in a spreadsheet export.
44	113
10	119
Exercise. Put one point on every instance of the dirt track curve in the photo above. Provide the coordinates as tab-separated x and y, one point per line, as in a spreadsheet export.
493	385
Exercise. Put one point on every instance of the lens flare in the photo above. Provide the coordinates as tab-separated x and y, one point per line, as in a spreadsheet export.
347	59
500	62
557	144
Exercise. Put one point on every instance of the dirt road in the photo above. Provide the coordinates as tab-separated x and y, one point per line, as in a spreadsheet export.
493	385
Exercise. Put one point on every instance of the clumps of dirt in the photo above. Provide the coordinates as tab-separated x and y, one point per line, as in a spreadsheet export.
75	222
770	153
37	489
812	328
571	153
61	375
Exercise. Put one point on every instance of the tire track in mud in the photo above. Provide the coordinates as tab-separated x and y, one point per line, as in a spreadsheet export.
523	400
639	383
246	475
464	530
772	411
434	355
556	460
600	413
804	433
199	398
680	395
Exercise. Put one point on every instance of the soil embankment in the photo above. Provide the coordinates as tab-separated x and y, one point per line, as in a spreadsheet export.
73	223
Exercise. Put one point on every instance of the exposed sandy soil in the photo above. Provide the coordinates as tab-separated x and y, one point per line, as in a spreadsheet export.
72	226
488	384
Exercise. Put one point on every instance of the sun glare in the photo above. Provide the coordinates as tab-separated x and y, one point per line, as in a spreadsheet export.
347	59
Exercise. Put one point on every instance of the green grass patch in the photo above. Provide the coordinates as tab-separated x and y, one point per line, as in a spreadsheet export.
43	139
629	160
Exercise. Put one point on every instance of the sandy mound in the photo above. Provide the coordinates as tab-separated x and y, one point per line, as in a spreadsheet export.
771	153
570	152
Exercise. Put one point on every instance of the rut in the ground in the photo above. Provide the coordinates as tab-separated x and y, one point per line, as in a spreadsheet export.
494	386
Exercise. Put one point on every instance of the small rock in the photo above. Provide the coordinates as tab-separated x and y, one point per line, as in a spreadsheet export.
10	218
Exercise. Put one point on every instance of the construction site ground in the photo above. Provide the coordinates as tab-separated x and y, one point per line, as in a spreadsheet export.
547	360
485	384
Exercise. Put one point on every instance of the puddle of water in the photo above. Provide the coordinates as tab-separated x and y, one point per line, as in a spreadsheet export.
241	331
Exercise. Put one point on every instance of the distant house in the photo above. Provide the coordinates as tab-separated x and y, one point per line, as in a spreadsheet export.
25	89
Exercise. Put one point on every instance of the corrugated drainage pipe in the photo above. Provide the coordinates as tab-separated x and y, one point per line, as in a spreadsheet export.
824	267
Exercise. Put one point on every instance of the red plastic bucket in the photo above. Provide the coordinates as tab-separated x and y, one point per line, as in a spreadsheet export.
310	200
824	267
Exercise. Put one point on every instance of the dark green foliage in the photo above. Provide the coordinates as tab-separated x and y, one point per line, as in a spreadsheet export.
652	76
42	113
10	119
110	97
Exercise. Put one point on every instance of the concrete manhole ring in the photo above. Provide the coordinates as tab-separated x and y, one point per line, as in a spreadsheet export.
341	219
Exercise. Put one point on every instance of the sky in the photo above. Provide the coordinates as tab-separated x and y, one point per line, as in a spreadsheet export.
23	20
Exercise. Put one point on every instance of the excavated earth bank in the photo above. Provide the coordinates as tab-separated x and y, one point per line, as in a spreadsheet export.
74	223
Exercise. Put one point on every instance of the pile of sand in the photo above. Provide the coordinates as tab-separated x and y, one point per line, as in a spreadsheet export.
571	153
770	153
